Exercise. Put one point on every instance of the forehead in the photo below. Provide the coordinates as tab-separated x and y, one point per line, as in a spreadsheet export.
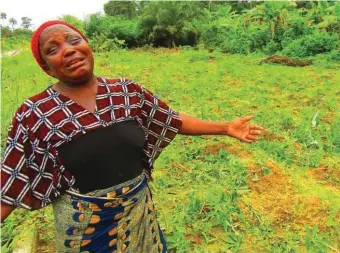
55	31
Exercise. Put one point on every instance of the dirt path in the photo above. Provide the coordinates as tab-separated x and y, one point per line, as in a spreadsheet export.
12	53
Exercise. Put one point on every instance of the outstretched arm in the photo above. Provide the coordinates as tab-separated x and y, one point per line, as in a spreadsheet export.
239	128
5	211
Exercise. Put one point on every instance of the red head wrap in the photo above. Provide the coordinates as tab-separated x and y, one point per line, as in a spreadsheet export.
36	36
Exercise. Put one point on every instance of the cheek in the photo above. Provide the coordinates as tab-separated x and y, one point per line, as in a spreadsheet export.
91	59
51	61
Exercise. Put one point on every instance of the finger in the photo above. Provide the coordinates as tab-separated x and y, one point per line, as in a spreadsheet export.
252	137
255	127
246	140
246	119
255	132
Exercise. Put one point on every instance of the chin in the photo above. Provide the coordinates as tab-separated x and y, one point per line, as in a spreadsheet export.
81	77
79	80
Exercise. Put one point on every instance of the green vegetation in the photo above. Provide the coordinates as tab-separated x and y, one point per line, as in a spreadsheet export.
294	29
215	194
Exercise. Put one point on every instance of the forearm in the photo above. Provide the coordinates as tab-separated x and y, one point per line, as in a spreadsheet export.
6	210
194	126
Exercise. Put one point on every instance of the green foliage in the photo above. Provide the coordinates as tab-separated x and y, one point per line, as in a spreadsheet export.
169	24
313	44
259	37
271	48
114	28
10	229
316	242
205	181
100	43
296	30
241	27
16	39
74	21
334	56
123	8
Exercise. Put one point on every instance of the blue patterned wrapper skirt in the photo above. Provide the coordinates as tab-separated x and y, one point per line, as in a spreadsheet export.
119	219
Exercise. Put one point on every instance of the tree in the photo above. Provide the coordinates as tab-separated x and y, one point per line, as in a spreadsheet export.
26	22
272	13
3	16
74	21
169	23
13	22
330	21
124	8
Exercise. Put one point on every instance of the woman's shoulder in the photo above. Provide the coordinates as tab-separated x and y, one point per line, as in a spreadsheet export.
33	102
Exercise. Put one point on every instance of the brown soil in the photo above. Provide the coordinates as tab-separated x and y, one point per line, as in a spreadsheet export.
275	200
278	59
158	51
230	81
272	194
328	176
212	61
194	238
178	76
43	245
328	118
270	136
236	148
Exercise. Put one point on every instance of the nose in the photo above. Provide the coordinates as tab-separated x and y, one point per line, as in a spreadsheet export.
69	51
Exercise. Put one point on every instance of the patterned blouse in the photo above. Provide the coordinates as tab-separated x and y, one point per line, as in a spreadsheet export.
32	173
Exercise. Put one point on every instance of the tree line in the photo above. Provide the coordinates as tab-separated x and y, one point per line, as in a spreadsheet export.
298	29
26	22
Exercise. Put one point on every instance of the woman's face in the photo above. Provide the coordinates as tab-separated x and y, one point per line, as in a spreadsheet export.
67	55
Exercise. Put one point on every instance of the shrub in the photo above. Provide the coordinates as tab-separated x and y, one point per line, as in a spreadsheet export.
115	28
309	45
271	48
334	56
259	37
100	43
237	42
227	38
296	30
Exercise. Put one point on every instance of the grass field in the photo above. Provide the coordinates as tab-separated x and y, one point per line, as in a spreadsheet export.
215	194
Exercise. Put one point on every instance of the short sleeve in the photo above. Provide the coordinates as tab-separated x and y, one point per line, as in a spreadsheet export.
161	121
15	181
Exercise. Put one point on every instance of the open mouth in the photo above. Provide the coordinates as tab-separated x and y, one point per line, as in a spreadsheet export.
75	63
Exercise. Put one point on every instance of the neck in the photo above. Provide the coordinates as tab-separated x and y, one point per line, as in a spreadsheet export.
86	88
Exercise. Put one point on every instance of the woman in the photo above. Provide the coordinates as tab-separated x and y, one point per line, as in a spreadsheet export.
87	145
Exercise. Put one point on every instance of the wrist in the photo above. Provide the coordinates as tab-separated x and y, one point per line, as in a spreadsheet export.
225	128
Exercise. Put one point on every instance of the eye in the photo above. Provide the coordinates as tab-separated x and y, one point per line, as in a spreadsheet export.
52	50
74	40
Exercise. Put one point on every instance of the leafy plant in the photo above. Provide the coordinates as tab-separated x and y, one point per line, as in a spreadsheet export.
317	242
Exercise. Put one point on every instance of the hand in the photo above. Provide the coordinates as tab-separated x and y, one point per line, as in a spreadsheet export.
241	130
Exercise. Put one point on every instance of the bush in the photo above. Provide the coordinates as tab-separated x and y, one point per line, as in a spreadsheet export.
100	43
296	30
227	38
271	48
334	56
189	35
237	42
259	37
115	28
310	45
16	39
